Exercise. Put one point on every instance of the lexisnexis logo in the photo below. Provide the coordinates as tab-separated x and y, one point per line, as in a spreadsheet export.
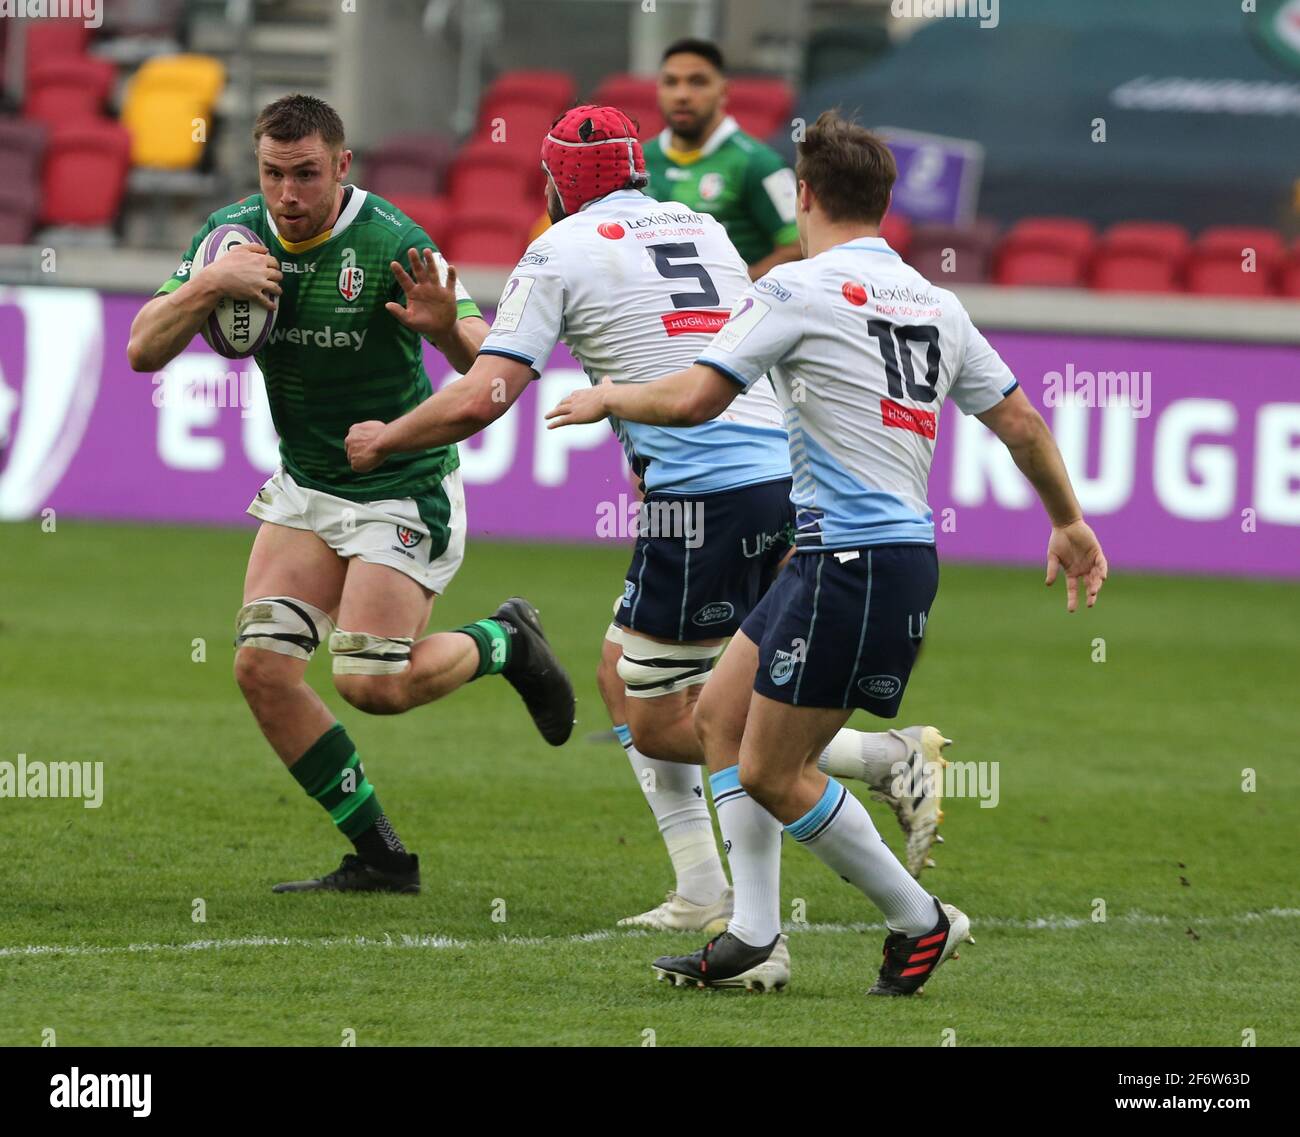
44	408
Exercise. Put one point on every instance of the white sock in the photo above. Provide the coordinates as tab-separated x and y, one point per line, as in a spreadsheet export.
866	756
675	791
839	832
752	838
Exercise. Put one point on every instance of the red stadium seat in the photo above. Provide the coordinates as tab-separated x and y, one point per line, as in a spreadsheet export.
22	148
85	174
634	96
68	89
760	104
1217	266
53	39
1289	277
551	89
409	164
519	125
954	254
1046	251
1140	256
479	239
19	206
897	232
487	177
432	214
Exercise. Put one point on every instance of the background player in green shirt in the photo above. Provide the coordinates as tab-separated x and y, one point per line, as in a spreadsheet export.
704	160
352	559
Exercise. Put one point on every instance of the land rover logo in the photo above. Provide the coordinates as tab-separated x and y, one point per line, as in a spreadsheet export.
713	614
880	686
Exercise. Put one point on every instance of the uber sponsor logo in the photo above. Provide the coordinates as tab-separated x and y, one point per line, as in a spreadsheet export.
75	1090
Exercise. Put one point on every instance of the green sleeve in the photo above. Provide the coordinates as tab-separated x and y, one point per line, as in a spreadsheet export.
182	273
416	238
770	196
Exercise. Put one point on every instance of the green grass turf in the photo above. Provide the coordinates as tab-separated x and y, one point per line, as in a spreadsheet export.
1118	780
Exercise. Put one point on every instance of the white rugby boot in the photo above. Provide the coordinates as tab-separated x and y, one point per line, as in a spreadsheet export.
677	914
918	806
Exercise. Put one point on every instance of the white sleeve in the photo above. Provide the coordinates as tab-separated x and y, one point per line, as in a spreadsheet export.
530	314
982	379
764	325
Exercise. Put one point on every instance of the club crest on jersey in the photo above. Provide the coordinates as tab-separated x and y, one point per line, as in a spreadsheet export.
409	537
351	278
782	668
711	186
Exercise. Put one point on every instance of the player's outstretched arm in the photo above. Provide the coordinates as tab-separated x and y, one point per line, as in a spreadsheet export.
1073	545
685	398
459	410
163	327
431	309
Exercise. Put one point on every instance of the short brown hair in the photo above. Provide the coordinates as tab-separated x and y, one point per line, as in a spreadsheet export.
848	168
293	117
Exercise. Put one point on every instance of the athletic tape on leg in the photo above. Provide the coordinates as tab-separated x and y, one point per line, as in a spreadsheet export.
650	669
360	653
283	625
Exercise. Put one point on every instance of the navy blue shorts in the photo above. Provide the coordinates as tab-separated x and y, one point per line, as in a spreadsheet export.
837	632
702	563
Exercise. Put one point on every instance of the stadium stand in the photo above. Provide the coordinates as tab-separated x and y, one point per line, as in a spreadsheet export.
635	96
68	88
409	164
1140	256
163	100
971	245
85	174
1046	252
1217	265
432	214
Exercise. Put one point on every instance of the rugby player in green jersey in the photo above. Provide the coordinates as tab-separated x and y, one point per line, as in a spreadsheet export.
351	560
704	160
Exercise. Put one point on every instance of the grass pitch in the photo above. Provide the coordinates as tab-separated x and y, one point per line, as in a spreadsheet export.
1119	781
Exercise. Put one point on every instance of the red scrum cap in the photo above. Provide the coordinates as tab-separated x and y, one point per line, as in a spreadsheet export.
591	151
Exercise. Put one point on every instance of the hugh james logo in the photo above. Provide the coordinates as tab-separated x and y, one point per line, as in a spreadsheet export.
716	613
102	1091
880	686
409	537
782	668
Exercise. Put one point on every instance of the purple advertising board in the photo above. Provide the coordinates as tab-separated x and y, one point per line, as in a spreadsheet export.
1186	456
938	178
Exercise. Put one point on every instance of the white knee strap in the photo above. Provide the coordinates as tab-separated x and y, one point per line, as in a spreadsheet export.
614	634
360	653
650	669
283	625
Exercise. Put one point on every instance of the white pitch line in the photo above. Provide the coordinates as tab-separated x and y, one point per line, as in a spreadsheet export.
436	942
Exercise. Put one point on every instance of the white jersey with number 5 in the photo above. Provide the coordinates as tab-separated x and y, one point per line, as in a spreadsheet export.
634	287
862	350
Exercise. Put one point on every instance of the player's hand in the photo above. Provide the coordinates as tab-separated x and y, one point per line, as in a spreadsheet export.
362	445
587	404
247	272
1075	549
430	305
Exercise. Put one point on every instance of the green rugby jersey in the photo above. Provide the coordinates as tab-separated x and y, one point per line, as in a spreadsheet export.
745	185
335	356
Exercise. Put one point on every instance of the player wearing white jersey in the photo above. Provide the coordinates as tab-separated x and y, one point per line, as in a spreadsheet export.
862	351
634	287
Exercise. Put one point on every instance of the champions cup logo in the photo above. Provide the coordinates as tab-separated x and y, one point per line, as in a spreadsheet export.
51	346
351	278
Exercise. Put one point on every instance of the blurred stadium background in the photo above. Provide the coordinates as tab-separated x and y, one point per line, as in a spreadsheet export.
1113	188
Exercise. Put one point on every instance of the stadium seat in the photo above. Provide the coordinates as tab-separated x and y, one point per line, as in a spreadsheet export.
635	96
1216	266
1140	256
409	164
897	231
552	89
432	214
1289	278
22	147
971	252
53	39
1046	251
162	101
760	104
85	174
487	177
19	206
486	239
67	89
516	126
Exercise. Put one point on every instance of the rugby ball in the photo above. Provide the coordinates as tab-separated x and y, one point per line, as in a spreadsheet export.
235	328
